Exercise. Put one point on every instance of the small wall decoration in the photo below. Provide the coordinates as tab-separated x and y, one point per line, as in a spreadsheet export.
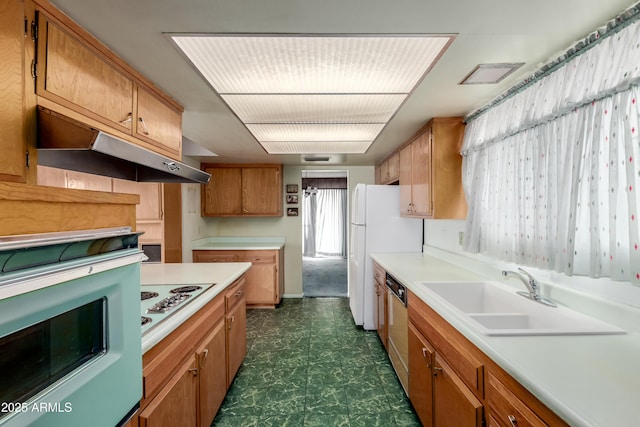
292	199
292	188
292	211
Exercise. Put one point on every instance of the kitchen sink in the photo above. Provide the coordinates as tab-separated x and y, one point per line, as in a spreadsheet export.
495	309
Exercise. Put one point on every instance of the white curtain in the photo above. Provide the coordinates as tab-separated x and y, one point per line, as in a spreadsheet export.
552	173
325	223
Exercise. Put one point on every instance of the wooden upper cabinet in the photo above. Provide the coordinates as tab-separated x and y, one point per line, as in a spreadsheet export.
222	196
79	77
390	169
431	172
76	77
12	89
421	186
150	207
158	123
262	191
405	180
242	190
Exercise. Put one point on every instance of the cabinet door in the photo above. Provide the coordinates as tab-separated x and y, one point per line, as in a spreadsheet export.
222	195
454	404
12	90
212	361
421	355
393	167
176	403
78	78
236	339
159	124
421	174
262	191
150	207
261	284
406	207
262	277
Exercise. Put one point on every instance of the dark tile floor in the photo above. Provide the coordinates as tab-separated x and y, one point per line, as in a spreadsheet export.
308	365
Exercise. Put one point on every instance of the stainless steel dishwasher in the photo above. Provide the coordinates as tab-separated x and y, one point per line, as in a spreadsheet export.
398	330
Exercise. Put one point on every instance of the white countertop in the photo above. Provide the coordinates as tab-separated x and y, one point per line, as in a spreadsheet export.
222	274
586	380
239	243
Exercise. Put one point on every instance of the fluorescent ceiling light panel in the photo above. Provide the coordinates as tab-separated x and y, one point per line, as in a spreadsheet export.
306	80
322	108
316	147
315	131
489	73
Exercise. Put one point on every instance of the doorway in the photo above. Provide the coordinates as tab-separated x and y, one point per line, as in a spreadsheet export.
324	233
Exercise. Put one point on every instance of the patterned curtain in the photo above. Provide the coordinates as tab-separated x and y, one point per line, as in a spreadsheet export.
552	173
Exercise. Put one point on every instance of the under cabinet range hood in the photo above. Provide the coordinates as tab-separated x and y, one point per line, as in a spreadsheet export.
66	143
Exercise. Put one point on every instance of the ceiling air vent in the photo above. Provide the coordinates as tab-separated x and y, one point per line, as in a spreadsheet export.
316	158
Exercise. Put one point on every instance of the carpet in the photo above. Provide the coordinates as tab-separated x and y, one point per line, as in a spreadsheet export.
324	277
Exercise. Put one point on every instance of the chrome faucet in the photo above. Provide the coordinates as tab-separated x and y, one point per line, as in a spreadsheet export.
532	285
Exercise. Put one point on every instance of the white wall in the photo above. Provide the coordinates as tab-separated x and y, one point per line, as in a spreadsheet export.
444	234
195	227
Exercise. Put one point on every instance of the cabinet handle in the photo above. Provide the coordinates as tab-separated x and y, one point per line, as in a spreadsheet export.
194	371
436	369
204	358
512	420
144	126
239	293
127	120
231	319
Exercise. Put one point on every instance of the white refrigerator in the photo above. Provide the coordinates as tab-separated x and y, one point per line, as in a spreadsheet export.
376	226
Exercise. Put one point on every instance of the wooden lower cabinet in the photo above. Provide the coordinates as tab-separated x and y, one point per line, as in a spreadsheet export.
212	365
453	383
380	309
176	404
236	329
186	375
439	396
453	403
421	355
265	278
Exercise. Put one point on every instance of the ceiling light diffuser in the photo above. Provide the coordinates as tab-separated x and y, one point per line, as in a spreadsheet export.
297	88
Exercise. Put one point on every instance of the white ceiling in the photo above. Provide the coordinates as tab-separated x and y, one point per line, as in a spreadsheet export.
486	31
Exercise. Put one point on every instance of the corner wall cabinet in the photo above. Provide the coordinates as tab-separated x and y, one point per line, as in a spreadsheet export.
79	77
453	383
242	190
390	169
431	172
265	278
186	375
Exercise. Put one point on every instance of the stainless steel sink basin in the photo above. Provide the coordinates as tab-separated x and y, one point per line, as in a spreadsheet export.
495	309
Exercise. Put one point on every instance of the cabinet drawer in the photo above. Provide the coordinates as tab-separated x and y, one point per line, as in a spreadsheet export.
258	257
213	256
235	294
507	409
461	354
